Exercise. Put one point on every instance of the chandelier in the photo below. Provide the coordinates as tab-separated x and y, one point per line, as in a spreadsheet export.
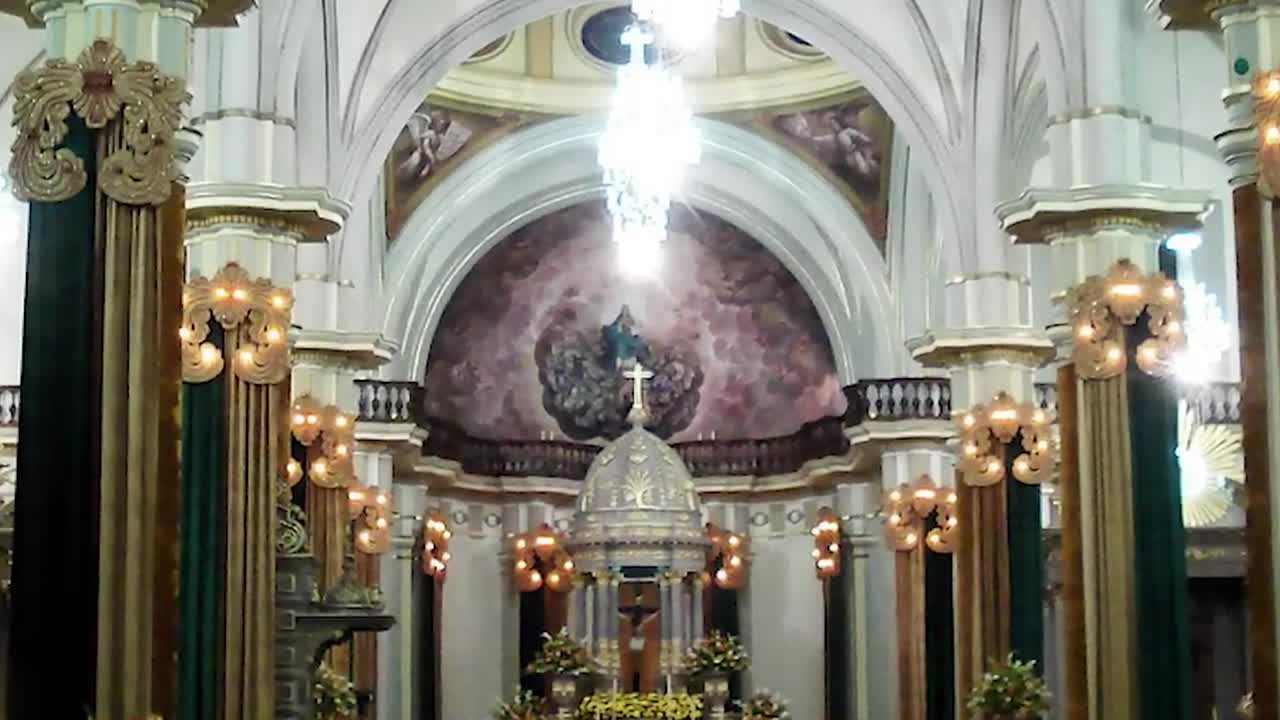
648	142
686	22
1208	334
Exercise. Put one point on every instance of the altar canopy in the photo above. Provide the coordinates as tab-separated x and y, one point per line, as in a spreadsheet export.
638	541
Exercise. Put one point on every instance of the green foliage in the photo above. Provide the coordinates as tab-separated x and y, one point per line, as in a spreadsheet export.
560	655
640	706
1011	690
524	706
765	705
717	652
334	695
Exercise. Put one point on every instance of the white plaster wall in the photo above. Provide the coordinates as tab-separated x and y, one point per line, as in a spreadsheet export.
473	641
785	622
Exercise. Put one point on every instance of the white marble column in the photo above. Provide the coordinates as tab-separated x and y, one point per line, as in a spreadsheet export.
396	676
871	690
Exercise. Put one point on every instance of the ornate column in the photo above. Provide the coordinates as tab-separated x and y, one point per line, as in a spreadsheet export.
1103	226
667	659
395	689
871	688
697	631
1252	39
921	526
990	351
97	156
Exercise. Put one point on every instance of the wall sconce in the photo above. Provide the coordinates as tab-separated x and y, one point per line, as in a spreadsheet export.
253	314
1101	306
727	558
826	544
539	558
906	509
435	546
371	515
1266	116
309	421
985	430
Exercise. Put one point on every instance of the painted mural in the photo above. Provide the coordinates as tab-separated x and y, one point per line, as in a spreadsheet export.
534	341
851	140
434	141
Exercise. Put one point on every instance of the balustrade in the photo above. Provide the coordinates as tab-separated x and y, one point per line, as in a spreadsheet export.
387	401
10	403
899	399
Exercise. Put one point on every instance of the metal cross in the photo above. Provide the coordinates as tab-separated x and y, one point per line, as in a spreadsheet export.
637	38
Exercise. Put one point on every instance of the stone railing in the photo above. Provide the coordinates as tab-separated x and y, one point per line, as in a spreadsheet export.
388	401
1213	403
898	399
770	456
10	403
540	458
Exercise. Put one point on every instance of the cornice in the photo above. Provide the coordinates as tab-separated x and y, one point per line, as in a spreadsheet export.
974	346
879	436
311	211
1039	213
352	350
1187	14
211	13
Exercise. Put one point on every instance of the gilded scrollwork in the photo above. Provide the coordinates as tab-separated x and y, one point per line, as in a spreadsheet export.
1101	306
986	431
906	509
310	421
98	87
255	310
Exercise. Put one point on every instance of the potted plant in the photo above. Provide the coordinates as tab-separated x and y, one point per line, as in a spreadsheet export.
1011	690
334	695
524	706
640	706
562	660
711	660
765	705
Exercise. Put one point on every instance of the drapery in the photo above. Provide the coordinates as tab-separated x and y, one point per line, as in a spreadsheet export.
1026	565
939	633
838	606
982	582
1073	698
53	647
910	604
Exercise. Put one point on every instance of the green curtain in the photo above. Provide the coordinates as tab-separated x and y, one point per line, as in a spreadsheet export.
838	594
204	438
1026	565
939	633
726	618
53	651
1160	572
427	603
533	623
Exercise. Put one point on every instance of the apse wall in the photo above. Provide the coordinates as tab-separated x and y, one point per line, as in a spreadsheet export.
22	46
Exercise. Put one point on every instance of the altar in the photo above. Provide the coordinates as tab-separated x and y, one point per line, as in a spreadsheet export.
640	548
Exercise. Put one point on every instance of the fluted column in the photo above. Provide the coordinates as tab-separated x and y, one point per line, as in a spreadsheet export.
1102	224
871	691
665	607
395	688
95	624
1251	34
698	631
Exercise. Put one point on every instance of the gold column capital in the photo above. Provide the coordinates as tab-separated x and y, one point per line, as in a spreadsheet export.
1100	307
983	427
256	311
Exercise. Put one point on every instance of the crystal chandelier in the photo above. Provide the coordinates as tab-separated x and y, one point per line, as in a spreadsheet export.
649	141
1208	335
686	22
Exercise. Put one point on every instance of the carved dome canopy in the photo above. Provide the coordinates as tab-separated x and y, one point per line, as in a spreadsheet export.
638	507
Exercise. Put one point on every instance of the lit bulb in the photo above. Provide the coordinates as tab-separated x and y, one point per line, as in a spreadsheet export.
221	293
381	523
246	357
293	468
733	541
446	556
1174	327
895	496
299	419
520	544
994	467
239	294
969	421
312	419
814	532
554	577
430	546
735	561
355	496
380	498
833	548
1021	466
1038	418
273	335
951	498
184	333
1149	354
970	449
1273	135
911	538
341	450
1114	354
521	565
208	355
446	534
816	553
895	519
279	302
365	536
1042	446
952	522
722	576
1085	332
568	566
340	421
319	467
535	577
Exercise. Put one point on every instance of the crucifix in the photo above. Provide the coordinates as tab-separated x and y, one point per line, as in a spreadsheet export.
637	375
637	38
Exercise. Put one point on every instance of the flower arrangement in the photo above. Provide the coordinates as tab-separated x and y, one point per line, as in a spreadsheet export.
1011	690
524	706
335	696
560	655
765	705
640	706
717	652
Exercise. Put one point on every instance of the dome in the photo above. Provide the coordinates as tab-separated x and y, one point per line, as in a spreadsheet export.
638	507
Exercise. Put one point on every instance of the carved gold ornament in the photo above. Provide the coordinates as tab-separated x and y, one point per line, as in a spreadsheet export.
727	558
309	421
906	509
98	87
1266	117
985	430
1100	307
255	310
541	558
370	509
826	544
435	546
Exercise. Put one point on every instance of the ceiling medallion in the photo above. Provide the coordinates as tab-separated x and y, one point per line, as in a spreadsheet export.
1101	306
987	430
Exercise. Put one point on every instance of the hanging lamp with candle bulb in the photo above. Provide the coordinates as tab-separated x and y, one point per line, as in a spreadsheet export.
1101	306
907	509
986	432
728	558
435	546
826	544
